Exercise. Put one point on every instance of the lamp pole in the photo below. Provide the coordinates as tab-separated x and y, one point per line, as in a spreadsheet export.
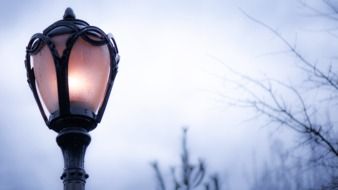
71	67
73	143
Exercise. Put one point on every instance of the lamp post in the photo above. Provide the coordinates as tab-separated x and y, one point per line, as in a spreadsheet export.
71	67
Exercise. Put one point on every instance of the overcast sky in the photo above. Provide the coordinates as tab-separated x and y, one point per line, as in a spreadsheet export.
168	78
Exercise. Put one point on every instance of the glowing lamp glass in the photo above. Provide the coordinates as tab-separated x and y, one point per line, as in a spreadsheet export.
88	73
45	75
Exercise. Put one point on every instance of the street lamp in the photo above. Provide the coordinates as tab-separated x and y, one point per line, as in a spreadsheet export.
71	68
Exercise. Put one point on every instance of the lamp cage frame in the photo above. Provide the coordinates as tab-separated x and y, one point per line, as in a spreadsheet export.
76	29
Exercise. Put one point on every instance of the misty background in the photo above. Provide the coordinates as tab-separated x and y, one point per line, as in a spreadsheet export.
172	74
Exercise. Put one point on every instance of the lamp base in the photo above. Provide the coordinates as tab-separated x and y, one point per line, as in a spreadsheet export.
73	143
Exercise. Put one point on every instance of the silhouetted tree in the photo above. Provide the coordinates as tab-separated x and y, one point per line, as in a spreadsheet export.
285	171
307	109
188	176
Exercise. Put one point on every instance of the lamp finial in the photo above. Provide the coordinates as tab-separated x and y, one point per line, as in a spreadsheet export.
69	14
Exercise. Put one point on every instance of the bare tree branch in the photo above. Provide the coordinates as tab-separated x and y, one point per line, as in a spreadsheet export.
193	175
159	177
321	78
280	111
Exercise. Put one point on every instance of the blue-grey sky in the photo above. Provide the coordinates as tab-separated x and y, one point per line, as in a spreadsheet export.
168	78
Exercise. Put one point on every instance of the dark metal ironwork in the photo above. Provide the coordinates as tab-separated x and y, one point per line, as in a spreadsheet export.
72	123
67	113
73	143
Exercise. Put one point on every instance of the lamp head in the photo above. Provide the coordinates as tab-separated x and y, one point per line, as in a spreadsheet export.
71	67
